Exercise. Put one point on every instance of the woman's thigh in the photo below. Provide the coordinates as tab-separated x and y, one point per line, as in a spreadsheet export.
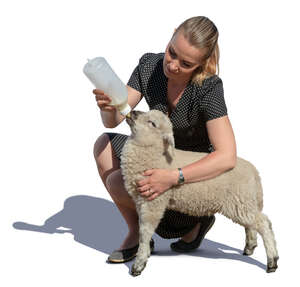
105	157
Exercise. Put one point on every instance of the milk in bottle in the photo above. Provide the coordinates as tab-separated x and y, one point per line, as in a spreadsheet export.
104	78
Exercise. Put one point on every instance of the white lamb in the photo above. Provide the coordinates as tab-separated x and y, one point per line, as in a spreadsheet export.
237	193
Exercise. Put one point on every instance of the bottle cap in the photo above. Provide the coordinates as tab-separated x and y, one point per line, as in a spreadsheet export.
126	110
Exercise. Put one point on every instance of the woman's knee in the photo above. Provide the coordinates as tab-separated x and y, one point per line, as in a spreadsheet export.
114	180
115	185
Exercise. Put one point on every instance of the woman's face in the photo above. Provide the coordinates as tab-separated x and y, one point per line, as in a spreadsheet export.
181	59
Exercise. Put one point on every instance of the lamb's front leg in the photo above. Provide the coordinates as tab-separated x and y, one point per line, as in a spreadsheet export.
150	215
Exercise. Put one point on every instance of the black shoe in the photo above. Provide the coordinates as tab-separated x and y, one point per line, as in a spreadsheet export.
124	255
182	246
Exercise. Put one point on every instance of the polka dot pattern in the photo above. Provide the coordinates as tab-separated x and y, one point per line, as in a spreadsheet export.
197	105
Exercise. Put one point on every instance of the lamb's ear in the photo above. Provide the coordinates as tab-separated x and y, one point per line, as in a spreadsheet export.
169	145
168	140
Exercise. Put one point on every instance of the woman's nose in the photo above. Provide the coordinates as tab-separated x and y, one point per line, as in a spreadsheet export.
173	66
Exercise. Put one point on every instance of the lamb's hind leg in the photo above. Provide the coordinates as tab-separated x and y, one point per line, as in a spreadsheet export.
251	241
264	228
149	218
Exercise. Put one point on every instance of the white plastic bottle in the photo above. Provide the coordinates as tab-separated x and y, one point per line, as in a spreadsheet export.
104	78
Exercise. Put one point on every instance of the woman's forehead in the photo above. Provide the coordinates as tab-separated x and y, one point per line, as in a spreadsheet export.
185	50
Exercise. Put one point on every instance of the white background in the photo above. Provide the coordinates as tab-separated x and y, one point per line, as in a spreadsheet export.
50	121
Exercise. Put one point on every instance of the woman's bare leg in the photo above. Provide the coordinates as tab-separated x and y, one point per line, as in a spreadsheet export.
190	236
109	170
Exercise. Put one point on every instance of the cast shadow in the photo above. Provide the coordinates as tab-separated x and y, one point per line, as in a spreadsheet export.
97	223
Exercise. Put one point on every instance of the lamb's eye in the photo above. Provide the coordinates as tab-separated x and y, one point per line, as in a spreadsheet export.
152	123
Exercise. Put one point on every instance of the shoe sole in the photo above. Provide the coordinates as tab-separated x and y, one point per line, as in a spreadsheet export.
127	259
121	260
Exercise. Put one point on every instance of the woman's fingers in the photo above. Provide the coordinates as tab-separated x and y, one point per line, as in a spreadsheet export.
107	108
103	98
148	193
142	182
99	95
152	196
103	101
144	188
98	92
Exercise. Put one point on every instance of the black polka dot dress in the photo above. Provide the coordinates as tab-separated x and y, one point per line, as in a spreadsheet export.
197	105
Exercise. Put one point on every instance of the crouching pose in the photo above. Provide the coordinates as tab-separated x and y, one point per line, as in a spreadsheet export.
183	83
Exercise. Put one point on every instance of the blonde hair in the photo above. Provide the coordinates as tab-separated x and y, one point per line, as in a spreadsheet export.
203	34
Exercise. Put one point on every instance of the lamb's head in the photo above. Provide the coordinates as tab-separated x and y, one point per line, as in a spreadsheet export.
151	128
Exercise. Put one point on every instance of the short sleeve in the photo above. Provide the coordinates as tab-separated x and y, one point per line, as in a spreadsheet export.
213	103
135	80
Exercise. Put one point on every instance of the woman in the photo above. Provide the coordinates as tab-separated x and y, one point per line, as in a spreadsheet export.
181	82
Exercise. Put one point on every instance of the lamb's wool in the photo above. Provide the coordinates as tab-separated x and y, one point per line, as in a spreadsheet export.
237	193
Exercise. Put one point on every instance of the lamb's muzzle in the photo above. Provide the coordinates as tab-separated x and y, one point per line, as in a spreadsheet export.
237	194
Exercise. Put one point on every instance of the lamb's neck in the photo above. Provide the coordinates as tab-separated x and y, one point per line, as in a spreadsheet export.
147	156
150	152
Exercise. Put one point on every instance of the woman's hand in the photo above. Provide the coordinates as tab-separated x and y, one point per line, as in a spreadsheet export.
103	101
156	182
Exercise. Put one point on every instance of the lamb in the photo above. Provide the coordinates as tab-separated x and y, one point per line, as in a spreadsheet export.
237	193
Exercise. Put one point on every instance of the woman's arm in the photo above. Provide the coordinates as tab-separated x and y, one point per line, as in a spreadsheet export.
223	157
111	117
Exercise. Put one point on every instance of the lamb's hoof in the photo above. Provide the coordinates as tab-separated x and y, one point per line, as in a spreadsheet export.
272	264
249	250
137	270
